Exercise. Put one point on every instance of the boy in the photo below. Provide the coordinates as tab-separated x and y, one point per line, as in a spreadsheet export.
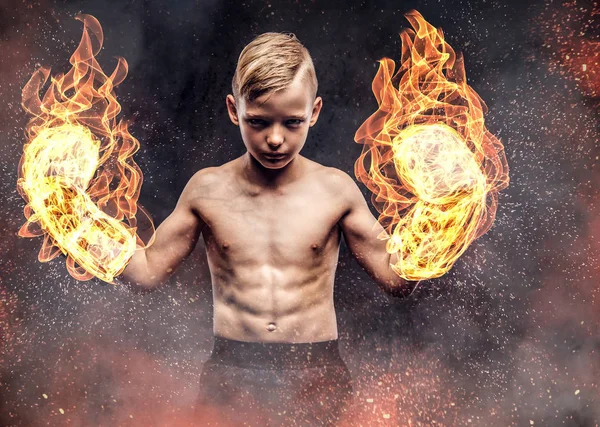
272	222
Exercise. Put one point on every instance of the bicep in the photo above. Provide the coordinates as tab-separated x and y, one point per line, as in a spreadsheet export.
173	240
179	232
364	235
367	240
176	236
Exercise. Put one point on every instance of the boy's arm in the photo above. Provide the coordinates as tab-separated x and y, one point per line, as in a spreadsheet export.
360	230
174	240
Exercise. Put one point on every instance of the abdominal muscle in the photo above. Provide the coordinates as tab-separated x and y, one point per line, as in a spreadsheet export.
268	304
272	257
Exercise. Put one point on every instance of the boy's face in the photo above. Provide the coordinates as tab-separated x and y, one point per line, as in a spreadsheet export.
274	126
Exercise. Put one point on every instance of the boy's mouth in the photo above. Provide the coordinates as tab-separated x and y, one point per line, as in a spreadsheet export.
274	156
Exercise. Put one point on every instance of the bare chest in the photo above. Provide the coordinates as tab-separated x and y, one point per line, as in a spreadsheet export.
271	227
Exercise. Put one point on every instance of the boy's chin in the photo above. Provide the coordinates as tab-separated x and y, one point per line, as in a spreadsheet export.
275	165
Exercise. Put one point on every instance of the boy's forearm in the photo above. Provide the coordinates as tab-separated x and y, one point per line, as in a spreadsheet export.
395	285
139	273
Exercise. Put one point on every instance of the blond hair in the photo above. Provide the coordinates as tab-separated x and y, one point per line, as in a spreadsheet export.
270	63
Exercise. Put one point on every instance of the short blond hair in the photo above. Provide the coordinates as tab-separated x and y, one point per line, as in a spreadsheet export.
270	63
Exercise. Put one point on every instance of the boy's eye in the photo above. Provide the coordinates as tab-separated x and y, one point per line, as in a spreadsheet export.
256	122
294	122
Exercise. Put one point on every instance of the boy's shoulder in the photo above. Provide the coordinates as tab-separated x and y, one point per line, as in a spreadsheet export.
212	175
206	183
333	179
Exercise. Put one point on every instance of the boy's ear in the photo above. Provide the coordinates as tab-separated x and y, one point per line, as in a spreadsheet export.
317	105
232	110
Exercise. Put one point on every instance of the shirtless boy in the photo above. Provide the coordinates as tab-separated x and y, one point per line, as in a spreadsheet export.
272	221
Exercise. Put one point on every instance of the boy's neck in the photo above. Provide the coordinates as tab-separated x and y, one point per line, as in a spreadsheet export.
271	178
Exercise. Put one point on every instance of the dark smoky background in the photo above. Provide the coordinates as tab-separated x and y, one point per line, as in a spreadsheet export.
510	336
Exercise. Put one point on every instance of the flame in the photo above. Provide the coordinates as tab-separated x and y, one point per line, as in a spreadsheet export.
77	174
427	154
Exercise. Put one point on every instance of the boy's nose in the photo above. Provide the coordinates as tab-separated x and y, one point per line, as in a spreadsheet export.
275	138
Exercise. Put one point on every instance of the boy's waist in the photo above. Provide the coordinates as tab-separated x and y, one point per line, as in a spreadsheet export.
275	355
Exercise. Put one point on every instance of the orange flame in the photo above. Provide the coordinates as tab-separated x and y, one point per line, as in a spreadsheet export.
427	154
77	173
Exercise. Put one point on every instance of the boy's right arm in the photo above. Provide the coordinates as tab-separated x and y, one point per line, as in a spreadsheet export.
174	240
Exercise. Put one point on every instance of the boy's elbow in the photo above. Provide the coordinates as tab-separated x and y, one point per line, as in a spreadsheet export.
397	286
139	277
140	285
149	284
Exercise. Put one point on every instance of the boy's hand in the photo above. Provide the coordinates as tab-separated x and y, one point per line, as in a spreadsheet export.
434	168
77	173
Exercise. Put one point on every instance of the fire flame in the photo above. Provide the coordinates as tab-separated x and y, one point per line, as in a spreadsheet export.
77	174
427	154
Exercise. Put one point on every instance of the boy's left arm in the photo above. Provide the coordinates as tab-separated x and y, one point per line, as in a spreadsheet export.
361	230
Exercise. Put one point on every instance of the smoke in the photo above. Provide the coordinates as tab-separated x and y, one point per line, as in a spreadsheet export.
508	336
